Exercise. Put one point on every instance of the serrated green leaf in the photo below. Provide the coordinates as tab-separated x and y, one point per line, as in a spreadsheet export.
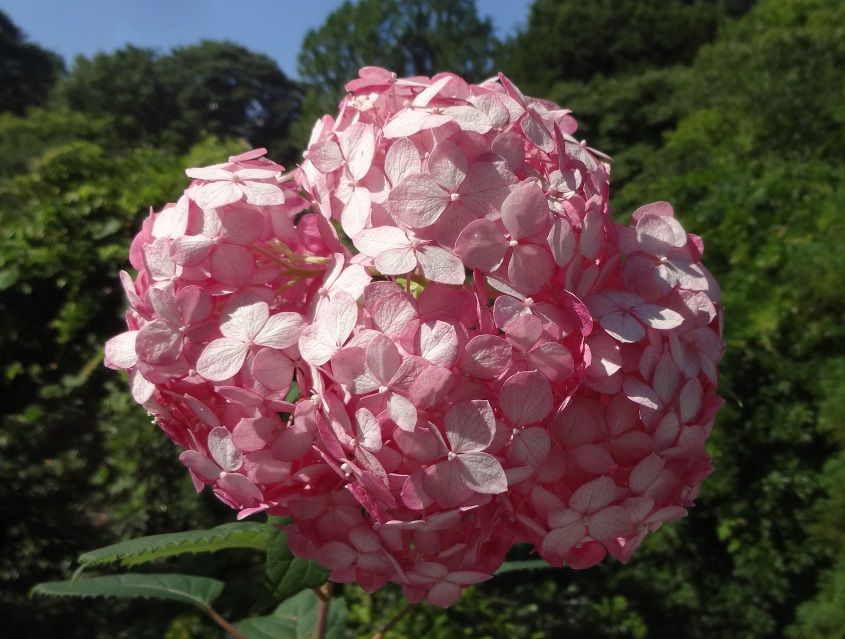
198	591
286	574
296	618
528	564
244	534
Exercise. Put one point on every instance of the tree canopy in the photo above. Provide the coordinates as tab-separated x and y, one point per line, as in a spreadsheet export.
27	72
173	100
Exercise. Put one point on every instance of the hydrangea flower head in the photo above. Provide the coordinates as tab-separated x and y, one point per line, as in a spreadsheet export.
482	356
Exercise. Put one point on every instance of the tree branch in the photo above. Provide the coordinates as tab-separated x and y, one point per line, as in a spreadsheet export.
228	627
392	623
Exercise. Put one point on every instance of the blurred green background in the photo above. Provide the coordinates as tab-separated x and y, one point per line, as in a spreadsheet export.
732	109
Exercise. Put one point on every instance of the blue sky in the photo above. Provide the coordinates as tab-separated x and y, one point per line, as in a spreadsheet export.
274	27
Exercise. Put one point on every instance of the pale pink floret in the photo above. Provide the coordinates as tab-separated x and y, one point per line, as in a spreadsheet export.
398	252
221	469
626	316
451	189
591	513
470	427
484	245
380	369
224	184
245	326
335	320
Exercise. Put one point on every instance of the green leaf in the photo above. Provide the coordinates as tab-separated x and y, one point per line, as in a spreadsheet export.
296	618
198	591
528	564
244	534
286	574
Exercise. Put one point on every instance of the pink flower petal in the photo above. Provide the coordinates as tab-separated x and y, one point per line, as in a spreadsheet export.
222	359
273	369
562	242
223	450
417	201
609	523
402	411
232	265
402	159
530	267
158	343
440	265
486	356
244	321
482	245
526	398
482	473
448	166
325	156
470	426
120	351
444	483
595	495
200	465
214	195
280	330
525	211
530	447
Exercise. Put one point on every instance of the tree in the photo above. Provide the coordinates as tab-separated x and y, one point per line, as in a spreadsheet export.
125	87
410	38
226	90
213	88
570	40
27	72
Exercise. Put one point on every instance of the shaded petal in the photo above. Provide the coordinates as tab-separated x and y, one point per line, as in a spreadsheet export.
482	245
483	473
525	211
530	267
525	398
470	426
273	369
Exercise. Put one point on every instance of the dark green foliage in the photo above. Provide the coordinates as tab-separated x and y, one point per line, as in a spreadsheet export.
174	100
286	574
570	40
225	90
27	72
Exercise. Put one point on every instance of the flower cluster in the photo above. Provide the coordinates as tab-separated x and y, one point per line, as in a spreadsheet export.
481	356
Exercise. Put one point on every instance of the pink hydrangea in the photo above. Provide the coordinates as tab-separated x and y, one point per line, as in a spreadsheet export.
482	356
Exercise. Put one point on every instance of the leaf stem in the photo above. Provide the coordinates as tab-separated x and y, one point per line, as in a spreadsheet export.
324	593
220	621
394	621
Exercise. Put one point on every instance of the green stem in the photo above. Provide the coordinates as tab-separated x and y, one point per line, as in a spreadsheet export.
324	592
